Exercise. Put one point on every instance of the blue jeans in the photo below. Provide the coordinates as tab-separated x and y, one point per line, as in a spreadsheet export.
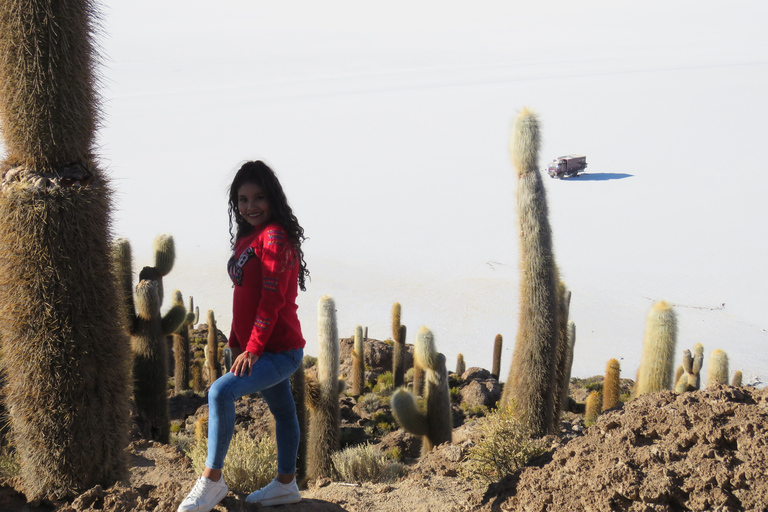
270	376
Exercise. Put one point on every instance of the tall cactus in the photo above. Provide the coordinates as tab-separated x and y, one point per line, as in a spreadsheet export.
497	345
181	375
64	356
358	363
148	330
611	385
325	420
717	368
398	335
530	384
657	360
435	423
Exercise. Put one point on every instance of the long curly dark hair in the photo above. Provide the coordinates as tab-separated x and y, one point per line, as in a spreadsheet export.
261	174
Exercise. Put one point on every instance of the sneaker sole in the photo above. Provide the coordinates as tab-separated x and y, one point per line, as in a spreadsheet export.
281	500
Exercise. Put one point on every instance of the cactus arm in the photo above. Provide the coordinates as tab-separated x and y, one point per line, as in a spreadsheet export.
173	320
165	254
123	262
406	411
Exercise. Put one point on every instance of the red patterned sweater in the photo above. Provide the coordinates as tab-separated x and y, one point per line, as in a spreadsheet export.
265	273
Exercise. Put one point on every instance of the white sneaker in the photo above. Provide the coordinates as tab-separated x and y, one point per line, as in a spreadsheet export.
205	495
275	493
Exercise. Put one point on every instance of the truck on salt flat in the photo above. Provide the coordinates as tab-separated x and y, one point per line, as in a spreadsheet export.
564	166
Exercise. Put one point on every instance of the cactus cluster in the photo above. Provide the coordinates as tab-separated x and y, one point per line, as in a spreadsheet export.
688	376
434	423
181	352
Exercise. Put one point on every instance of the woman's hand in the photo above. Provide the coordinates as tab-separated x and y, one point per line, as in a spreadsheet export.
244	362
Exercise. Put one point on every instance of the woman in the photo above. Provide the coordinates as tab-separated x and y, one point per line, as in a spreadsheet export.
266	268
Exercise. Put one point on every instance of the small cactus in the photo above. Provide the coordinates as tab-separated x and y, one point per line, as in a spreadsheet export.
213	364
398	335
461	366
592	408
736	382
358	363
656	363
717	368
435	423
497	344
611	385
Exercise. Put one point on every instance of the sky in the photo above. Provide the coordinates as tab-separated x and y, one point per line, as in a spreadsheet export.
388	126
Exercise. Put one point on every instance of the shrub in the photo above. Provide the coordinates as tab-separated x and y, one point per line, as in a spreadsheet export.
251	464
505	447
370	403
455	395
364	463
309	361
385	384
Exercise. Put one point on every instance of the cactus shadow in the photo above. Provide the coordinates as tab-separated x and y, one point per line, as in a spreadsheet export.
600	176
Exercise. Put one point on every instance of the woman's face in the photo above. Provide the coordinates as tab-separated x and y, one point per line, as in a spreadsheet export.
253	204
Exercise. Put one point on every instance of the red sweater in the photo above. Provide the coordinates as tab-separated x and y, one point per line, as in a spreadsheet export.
265	273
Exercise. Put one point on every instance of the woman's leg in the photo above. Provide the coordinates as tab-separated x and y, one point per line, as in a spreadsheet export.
269	370
281	405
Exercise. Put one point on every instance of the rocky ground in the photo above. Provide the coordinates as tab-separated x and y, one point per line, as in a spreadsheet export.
702	450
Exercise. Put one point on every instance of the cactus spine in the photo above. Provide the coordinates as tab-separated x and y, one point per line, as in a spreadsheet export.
435	424
717	368
398	335
461	366
325	420
358	363
212	349
657	360
611	385
65	357
148	330
497	345
532	371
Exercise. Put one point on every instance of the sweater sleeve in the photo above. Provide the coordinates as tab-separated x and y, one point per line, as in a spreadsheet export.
274	287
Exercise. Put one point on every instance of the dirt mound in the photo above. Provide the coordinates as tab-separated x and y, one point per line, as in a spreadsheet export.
703	450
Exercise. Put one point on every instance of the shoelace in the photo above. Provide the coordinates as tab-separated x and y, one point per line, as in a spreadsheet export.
201	487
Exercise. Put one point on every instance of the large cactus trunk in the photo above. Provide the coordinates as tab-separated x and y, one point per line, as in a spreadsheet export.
531	381
64	352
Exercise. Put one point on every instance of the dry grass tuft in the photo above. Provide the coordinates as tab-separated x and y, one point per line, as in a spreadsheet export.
505	447
250	464
364	463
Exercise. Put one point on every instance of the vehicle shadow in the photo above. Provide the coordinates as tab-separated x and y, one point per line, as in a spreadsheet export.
600	176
